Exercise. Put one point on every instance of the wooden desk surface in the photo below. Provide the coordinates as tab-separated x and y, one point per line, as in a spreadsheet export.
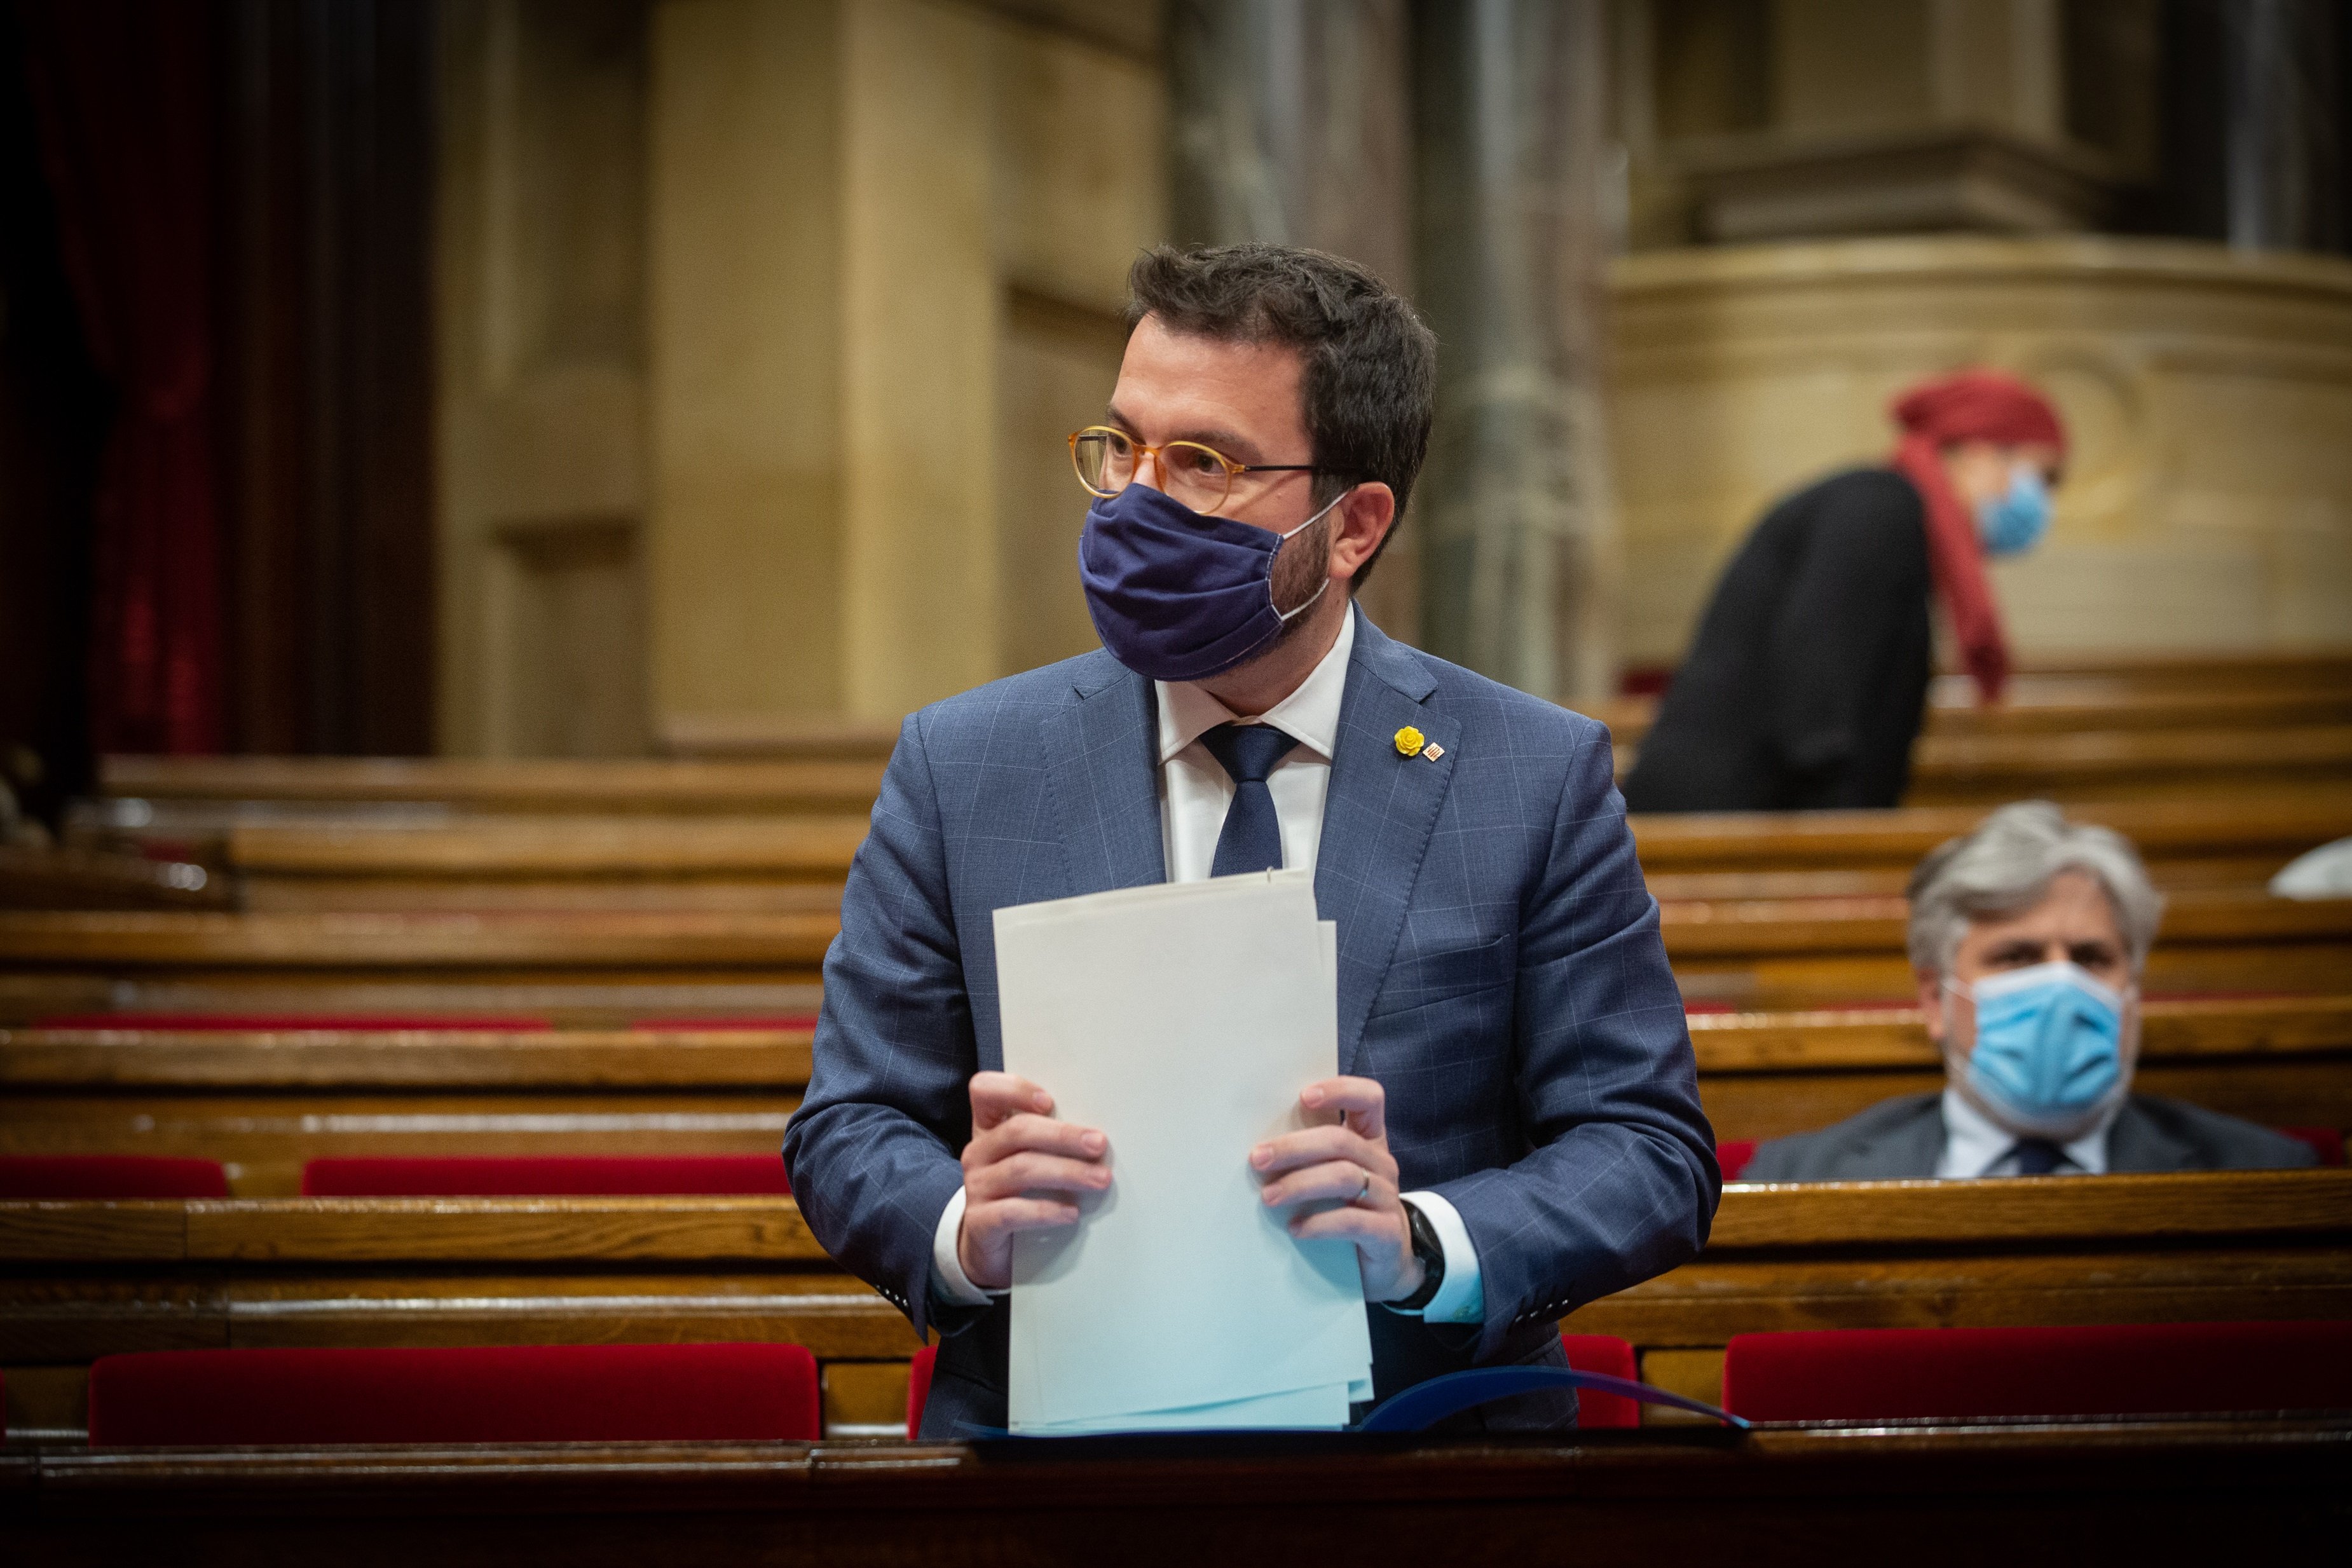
2146	1492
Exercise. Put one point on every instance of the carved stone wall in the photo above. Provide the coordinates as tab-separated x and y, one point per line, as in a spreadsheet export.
2209	501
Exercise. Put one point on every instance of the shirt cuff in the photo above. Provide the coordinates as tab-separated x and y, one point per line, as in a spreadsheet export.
1462	1298
948	1281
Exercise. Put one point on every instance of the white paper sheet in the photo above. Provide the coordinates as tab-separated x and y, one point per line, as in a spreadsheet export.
1182	1019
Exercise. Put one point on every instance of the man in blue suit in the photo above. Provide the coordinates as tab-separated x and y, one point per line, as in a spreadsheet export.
1515	1129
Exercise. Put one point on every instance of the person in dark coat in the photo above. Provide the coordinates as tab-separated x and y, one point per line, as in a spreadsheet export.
1808	681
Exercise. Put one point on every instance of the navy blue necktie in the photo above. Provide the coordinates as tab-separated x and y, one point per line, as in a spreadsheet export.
1251	836
2038	1156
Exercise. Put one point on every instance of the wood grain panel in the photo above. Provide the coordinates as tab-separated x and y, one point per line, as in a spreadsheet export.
831	1313
2274	821
821	783
810	847
368	1058
2290	1203
617	940
498	1231
35	1231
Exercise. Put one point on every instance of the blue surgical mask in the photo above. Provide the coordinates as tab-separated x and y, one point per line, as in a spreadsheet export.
1179	595
2017	519
2049	1056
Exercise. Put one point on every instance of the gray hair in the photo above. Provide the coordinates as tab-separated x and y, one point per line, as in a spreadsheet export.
2008	863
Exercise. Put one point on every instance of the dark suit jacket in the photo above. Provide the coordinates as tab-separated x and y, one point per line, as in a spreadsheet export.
1500	974
1903	1139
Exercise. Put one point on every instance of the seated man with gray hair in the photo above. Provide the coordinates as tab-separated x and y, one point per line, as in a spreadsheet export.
2028	937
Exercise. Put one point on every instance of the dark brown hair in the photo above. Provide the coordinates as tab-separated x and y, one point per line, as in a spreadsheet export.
1369	373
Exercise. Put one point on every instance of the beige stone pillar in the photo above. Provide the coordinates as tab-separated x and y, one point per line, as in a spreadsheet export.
822	361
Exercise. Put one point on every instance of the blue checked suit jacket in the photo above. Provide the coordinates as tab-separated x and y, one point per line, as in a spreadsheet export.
1500	974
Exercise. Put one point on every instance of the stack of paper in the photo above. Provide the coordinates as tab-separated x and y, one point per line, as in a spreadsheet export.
1181	1019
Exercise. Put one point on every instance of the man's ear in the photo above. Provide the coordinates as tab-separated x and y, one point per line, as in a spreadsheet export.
1365	514
1931	1002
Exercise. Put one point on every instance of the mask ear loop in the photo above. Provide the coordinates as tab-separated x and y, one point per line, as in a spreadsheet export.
1287	615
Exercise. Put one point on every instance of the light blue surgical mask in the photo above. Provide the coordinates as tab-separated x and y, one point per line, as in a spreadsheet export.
2016	519
2050	1049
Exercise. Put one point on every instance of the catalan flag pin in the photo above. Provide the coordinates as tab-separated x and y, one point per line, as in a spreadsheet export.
1433	751
1408	742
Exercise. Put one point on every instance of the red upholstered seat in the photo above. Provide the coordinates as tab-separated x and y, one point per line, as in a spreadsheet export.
518	1393
543	1175
2325	1142
1733	1155
918	1388
2141	1369
1608	1354
284	1023
110	1176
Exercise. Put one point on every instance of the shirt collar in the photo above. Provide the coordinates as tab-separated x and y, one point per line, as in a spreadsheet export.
1310	715
1974	1142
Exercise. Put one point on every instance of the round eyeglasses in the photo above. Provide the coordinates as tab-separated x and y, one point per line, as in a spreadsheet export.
1201	477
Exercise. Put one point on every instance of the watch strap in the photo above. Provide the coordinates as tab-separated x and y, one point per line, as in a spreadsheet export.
1432	1253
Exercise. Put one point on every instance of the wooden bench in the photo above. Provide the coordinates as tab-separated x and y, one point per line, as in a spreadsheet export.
2064	706
82	1280
79	1281
2239	843
766	864
1751	953
2106	765
798	863
265	1100
835	776
2201	1247
1810	953
584	967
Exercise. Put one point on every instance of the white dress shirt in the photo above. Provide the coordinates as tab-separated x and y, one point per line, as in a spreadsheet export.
1194	792
1976	1146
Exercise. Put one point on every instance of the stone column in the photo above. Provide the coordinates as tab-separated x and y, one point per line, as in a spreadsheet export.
1521	564
1290	123
2284	134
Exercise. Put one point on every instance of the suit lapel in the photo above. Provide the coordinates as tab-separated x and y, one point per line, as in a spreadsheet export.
1378	817
2135	1142
1913	1149
1102	775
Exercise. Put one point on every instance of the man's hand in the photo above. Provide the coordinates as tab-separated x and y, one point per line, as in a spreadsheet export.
1348	1160
1017	1150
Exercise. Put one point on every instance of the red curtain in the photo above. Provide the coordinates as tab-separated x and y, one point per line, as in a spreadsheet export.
123	91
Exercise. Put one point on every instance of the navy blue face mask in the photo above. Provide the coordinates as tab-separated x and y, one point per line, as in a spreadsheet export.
1179	595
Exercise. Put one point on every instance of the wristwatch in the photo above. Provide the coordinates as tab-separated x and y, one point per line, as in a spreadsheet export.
1432	1253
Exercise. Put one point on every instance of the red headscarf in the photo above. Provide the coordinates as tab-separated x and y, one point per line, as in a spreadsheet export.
1973	406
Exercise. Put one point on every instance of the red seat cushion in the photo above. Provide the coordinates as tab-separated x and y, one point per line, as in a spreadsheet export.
519	1394
2325	1142
918	1388
110	1176
1733	1155
284	1023
543	1175
2142	1369
1613	1358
